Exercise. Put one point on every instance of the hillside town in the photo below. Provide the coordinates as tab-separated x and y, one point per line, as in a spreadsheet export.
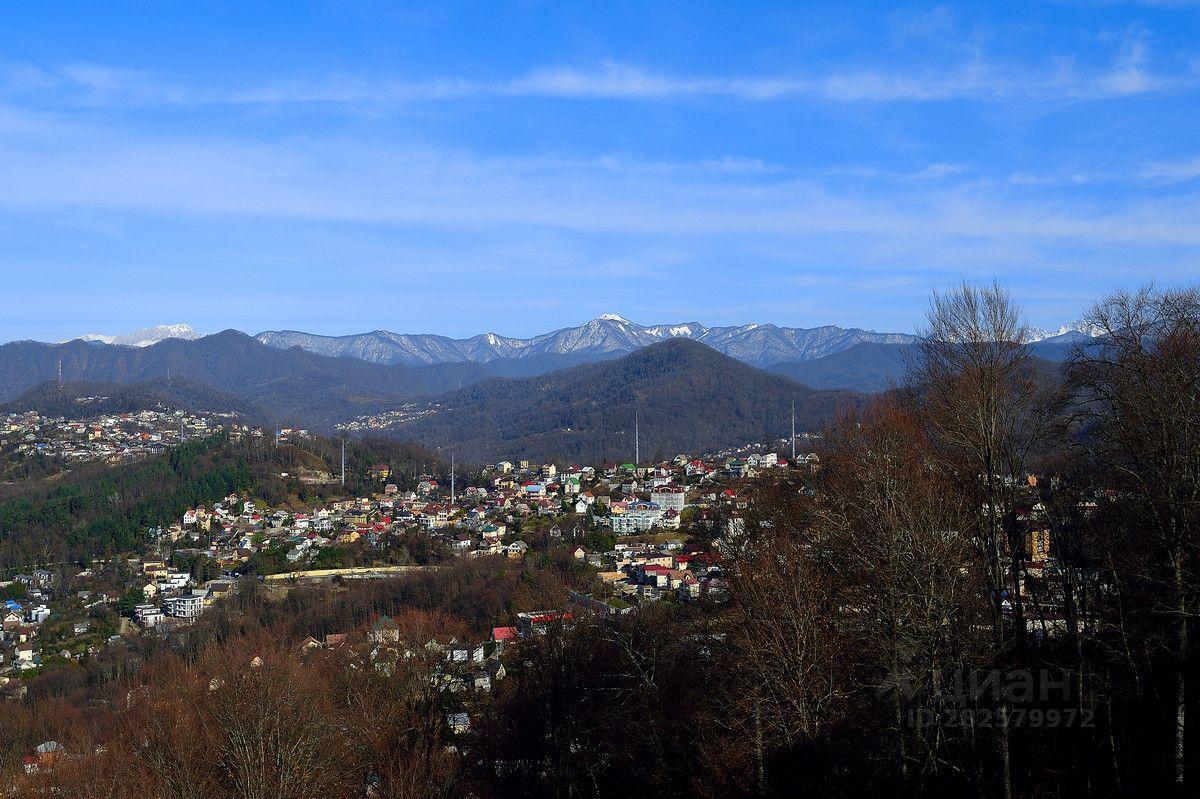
631	525
108	438
647	533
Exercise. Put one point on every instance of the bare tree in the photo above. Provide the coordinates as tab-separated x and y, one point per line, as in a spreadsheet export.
784	627
277	735
1138	388
974	375
390	695
909	579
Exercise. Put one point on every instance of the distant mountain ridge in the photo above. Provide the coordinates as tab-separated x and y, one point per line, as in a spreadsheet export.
693	398
607	336
286	385
690	398
1066	334
871	368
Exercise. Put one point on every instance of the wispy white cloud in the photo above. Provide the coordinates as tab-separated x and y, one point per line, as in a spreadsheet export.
389	184
1138	176
1127	75
938	170
1172	171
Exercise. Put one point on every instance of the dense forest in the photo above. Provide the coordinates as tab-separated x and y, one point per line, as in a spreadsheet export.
73	703
97	512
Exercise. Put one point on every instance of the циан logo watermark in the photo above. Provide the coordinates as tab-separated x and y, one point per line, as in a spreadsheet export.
981	698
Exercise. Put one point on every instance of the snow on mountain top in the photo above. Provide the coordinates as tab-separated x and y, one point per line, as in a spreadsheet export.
1038	334
674	332
146	336
612	317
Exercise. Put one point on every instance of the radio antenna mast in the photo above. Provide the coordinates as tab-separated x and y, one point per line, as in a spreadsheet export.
637	442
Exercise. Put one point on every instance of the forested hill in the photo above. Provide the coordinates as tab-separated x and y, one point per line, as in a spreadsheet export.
98	510
689	398
104	511
868	367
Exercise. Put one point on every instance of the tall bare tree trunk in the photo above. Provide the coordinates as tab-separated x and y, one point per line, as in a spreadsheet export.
898	708
1181	675
759	759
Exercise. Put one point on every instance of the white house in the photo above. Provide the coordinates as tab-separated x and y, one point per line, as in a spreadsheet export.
637	518
669	497
185	606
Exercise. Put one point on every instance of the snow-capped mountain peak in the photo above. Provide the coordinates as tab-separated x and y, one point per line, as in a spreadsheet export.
1073	331
146	336
612	317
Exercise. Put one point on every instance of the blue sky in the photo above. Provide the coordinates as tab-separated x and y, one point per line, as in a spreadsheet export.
514	167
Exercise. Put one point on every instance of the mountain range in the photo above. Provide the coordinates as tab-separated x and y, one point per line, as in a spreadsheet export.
871	367
607	336
278	385
1066	334
691	397
565	393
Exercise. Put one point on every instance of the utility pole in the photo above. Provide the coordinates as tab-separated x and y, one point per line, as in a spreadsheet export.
452	494
343	461
793	433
